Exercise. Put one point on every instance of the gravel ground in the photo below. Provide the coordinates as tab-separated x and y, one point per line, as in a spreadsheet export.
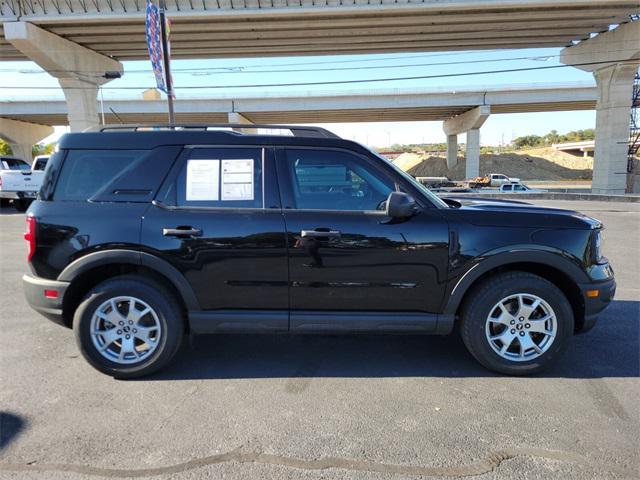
286	407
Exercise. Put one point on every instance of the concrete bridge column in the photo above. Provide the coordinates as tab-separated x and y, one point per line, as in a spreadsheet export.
613	110
22	136
472	168
613	58
79	70
82	105
468	122
452	151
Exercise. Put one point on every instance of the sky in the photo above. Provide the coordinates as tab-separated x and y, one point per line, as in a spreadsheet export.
451	71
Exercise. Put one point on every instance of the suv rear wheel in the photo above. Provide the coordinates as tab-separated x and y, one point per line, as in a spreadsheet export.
516	323
128	326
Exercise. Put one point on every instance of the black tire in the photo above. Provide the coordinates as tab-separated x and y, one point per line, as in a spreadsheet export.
21	205
479	304
152	293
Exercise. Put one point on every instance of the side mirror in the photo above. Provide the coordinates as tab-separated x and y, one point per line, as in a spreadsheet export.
400	205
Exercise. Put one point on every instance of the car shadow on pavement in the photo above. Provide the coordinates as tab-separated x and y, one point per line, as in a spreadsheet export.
11	425
611	349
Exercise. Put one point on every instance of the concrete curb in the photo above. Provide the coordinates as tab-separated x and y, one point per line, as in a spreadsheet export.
634	198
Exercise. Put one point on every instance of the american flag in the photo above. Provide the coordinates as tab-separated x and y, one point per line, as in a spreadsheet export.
154	45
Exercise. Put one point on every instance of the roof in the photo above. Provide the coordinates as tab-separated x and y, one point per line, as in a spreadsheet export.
146	140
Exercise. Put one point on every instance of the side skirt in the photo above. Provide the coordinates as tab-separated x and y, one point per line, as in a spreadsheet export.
307	321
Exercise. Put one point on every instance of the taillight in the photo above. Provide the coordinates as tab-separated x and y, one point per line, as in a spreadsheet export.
30	236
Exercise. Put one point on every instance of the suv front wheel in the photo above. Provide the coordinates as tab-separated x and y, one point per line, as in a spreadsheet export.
516	323
128	326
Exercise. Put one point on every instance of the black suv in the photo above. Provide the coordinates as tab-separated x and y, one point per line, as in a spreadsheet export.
142	235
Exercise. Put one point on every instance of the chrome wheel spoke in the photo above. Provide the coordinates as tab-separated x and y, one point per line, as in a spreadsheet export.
127	346
109	336
524	310
507	340
145	334
526	343
540	326
112	317
504	318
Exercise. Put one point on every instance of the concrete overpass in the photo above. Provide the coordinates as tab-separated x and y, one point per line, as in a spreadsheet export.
80	41
584	148
334	107
453	108
241	28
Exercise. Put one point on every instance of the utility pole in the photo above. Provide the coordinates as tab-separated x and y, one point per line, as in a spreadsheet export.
167	68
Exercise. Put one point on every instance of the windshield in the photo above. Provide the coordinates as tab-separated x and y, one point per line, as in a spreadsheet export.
436	200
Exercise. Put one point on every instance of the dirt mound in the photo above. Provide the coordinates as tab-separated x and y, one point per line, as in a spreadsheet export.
407	160
535	164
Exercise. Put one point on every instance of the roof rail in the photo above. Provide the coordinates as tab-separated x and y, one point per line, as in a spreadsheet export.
296	130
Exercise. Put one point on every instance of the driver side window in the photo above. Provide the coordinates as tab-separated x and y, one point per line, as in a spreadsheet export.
335	180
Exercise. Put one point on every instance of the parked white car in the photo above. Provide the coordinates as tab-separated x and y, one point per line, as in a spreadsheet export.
18	182
520	188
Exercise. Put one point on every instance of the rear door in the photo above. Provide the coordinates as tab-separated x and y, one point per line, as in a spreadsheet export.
350	266
218	220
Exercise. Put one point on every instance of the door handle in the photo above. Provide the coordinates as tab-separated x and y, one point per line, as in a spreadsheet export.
319	233
181	232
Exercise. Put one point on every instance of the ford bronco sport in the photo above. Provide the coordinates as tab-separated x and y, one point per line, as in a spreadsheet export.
142	235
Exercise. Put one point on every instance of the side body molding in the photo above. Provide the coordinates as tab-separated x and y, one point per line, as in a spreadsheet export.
551	258
132	257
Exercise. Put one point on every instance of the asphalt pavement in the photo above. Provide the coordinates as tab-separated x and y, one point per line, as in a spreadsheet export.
312	407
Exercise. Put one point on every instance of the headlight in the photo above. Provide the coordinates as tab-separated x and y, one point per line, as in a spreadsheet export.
596	246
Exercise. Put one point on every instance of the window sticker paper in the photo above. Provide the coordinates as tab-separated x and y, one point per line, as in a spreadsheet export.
203	180
237	179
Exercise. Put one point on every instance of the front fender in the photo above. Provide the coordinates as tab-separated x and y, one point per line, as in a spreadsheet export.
553	258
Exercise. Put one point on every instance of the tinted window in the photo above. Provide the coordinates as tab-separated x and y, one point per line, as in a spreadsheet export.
85	172
220	178
15	164
506	188
334	180
520	188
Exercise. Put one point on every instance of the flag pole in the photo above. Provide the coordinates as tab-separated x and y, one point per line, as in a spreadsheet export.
165	57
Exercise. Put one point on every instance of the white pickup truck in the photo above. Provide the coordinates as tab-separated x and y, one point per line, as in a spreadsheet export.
18	182
520	188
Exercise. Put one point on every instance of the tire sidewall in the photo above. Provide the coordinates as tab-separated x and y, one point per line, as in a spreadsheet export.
158	299
480	308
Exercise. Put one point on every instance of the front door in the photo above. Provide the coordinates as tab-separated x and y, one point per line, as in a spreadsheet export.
350	266
217	219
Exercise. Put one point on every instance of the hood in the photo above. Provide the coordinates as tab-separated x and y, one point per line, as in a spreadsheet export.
514	213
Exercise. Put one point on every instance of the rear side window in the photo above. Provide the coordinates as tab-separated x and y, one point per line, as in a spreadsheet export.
220	178
85	172
40	163
15	164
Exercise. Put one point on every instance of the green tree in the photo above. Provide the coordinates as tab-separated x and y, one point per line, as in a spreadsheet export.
5	149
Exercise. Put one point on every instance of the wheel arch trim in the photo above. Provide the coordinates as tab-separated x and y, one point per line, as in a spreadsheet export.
132	257
551	259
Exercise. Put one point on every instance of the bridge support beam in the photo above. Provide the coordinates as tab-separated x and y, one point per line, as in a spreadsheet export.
79	70
22	136
452	151
469	122
613	109
235	117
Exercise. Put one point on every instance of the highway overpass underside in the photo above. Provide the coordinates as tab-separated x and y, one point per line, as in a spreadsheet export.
79	41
